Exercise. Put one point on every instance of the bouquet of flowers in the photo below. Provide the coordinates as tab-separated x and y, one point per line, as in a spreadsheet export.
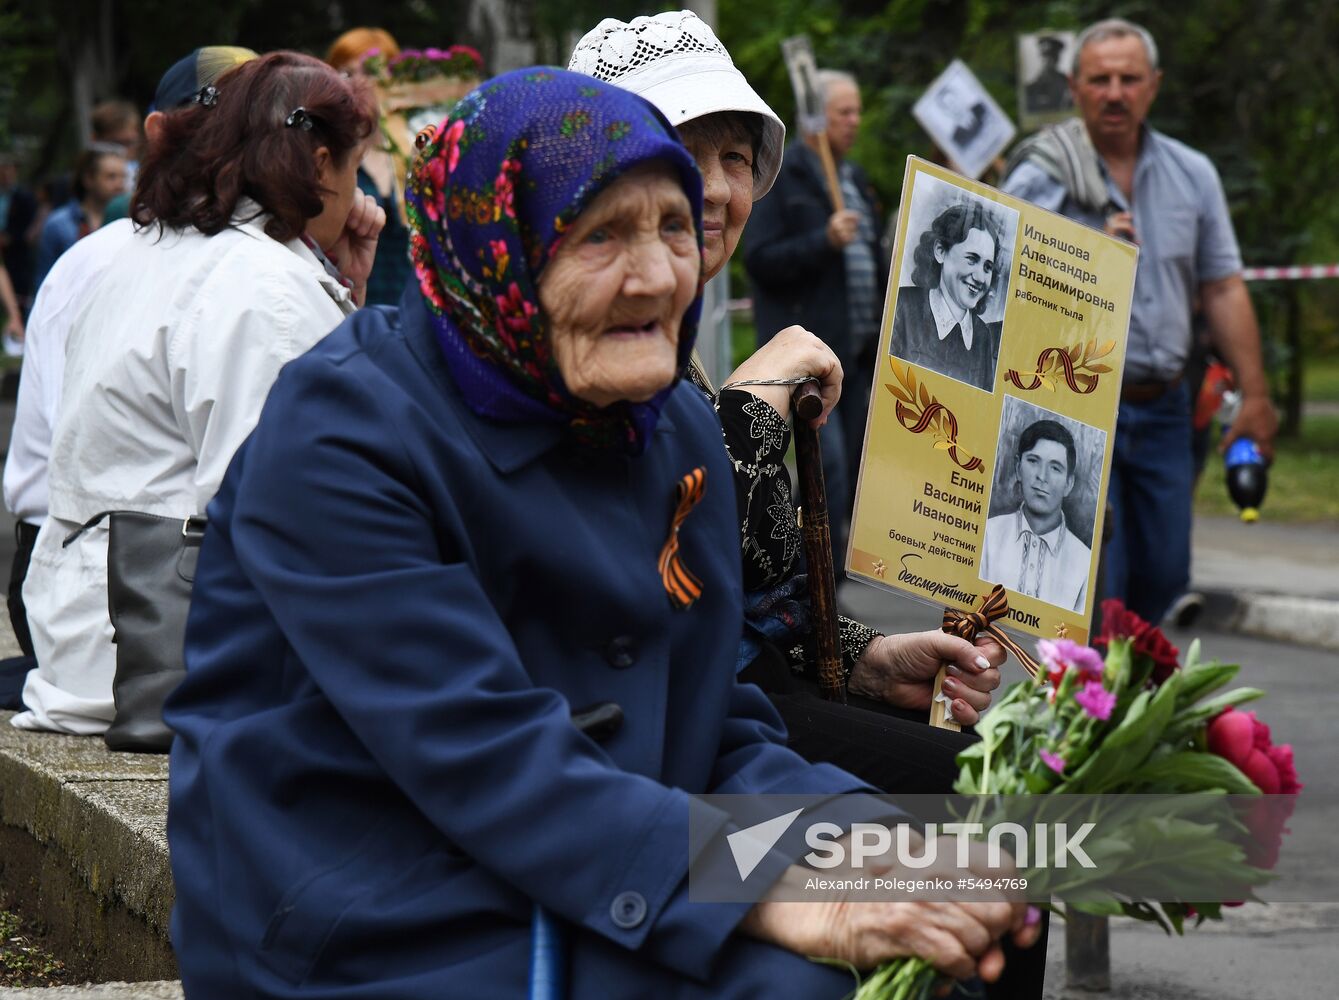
1134	721
419	65
416	89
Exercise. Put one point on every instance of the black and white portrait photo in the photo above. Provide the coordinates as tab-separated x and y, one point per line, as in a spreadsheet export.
1043	505
954	282
963	119
1044	61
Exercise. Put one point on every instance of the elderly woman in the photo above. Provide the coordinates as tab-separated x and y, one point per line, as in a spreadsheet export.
938	321
254	243
454	526
675	61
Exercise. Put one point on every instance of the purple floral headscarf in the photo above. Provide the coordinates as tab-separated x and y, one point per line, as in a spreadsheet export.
489	200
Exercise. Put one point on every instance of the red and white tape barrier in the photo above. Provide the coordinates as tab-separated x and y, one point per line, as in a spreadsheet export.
1300	273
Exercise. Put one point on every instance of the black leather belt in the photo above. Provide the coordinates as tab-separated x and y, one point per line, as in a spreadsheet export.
1147	392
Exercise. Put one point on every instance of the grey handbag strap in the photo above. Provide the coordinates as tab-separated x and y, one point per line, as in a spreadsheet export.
191	527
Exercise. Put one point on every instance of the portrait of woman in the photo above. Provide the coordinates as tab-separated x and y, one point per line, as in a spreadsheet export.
957	267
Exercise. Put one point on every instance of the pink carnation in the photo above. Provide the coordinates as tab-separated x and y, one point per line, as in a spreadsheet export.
1096	700
1052	760
1060	655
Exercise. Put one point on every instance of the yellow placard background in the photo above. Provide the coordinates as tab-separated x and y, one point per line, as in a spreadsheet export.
1080	307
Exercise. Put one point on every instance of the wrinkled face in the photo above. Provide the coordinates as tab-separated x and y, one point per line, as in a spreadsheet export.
106	179
1114	86
725	157
1045	477
843	116
968	268
340	182
615	292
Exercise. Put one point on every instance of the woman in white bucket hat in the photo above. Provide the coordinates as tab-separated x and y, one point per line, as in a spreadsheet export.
675	61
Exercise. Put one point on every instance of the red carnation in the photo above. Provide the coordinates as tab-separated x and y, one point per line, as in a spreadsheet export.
1119	622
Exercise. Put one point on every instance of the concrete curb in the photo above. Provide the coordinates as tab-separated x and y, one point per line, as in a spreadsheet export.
1306	621
99	991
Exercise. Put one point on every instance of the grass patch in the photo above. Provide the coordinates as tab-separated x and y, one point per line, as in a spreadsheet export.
1320	381
1303	481
23	960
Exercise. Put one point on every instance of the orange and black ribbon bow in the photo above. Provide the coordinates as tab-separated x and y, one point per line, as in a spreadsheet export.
994	605
682	586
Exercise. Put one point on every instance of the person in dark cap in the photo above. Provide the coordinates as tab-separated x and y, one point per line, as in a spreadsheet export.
53	314
180	85
1049	89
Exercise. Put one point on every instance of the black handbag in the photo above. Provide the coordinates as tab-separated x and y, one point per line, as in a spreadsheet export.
150	571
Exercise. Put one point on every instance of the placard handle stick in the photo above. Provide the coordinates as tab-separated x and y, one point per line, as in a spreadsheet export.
830	172
807	403
939	717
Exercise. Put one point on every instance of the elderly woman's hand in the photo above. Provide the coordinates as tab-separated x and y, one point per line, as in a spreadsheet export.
960	939
900	669
356	247
792	353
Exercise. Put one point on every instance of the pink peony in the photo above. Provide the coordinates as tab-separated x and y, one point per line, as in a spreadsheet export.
1245	741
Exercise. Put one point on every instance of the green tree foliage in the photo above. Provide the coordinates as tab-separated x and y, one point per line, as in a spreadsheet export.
1255	86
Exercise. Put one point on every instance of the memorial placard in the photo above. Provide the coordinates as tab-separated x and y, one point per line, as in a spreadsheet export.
963	119
990	430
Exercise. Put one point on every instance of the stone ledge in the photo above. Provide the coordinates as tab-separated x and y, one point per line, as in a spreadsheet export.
87	851
100	991
106	811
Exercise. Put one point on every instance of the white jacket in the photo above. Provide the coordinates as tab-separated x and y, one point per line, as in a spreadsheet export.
167	366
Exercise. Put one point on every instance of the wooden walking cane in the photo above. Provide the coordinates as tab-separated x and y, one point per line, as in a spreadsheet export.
807	403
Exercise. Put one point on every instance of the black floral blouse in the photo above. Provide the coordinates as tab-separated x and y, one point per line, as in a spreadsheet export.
757	439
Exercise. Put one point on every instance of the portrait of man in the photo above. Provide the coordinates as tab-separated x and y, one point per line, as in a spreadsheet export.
964	115
955	276
963	119
1048	90
1032	548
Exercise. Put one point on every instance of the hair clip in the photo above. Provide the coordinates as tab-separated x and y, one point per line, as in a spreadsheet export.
299	118
207	96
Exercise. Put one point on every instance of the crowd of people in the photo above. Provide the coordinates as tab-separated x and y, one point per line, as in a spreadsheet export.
442	532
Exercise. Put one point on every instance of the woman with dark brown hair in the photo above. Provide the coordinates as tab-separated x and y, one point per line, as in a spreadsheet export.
253	243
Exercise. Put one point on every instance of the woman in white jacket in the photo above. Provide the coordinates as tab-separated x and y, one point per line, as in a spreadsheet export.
253	242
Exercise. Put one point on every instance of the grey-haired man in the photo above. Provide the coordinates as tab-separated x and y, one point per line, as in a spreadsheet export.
1141	185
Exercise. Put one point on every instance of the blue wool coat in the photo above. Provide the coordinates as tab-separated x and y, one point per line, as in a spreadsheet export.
398	606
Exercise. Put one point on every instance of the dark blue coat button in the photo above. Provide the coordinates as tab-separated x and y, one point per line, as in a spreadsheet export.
628	911
621	652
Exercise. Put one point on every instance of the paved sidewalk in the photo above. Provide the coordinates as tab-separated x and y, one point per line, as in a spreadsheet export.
1277	581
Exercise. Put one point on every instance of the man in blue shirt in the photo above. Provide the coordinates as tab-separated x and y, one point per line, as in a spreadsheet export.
100	175
1112	171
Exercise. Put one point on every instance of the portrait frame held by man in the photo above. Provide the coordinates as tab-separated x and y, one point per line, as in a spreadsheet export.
1045	59
963	120
954	282
1045	489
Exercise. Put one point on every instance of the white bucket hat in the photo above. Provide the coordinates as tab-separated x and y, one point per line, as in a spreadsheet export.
678	64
